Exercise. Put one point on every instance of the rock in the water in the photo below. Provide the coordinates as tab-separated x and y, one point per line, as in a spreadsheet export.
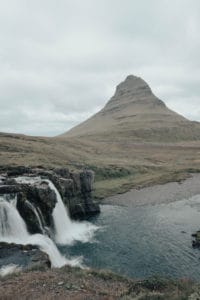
196	241
27	256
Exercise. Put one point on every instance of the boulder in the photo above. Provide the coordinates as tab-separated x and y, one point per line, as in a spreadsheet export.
196	241
27	256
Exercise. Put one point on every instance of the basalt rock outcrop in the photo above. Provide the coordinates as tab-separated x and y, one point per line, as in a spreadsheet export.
29	256
36	201
37	197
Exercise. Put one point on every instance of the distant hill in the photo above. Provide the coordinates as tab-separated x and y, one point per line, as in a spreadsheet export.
134	141
135	113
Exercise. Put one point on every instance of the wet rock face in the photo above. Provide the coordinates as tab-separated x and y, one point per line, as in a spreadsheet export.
77	194
43	200
27	256
38	197
74	187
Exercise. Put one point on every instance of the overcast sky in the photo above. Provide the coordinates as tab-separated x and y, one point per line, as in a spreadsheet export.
60	60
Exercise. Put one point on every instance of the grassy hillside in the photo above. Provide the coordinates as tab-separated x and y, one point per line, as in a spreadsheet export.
134	141
134	113
118	166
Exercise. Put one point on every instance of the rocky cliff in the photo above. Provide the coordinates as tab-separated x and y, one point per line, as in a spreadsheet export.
36	201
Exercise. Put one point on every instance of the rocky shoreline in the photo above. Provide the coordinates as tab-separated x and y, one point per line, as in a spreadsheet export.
158	193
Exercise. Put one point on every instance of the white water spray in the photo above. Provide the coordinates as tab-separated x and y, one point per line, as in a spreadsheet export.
13	230
9	269
66	230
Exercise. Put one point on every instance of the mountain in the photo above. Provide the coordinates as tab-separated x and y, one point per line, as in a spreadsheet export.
134	141
135	113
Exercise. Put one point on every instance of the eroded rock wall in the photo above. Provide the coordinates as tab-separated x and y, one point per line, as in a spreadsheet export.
75	189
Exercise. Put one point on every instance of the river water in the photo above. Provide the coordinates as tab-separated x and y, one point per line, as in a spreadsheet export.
141	233
143	241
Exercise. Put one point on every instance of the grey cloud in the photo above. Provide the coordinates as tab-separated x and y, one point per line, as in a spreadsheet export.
61	60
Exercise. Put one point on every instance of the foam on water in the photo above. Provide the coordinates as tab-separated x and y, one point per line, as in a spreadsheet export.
9	269
66	230
13	230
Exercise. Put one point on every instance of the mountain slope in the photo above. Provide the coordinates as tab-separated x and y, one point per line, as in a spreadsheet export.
134	112
135	140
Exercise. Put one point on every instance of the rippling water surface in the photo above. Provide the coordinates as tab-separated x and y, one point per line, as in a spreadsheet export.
145	241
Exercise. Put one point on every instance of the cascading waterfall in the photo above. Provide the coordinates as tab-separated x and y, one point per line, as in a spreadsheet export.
66	230
13	230
34	210
12	226
40	216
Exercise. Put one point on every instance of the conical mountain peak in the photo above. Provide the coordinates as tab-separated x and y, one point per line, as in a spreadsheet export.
135	113
133	90
132	84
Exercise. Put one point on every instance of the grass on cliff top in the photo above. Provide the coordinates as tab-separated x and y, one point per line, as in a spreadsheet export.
75	283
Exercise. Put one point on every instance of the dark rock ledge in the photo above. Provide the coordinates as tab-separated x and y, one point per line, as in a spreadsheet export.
29	257
74	187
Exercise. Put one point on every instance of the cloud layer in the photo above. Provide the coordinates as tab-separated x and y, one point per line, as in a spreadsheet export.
61	60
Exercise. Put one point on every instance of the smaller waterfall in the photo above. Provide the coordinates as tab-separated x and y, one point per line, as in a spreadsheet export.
68	231
12	225
34	210
40	216
13	230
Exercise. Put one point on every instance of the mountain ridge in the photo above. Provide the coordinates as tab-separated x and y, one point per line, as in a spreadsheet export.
139	142
134	110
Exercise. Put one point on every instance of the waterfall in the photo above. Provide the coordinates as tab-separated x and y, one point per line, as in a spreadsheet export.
66	230
41	216
12	226
13	230
34	210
